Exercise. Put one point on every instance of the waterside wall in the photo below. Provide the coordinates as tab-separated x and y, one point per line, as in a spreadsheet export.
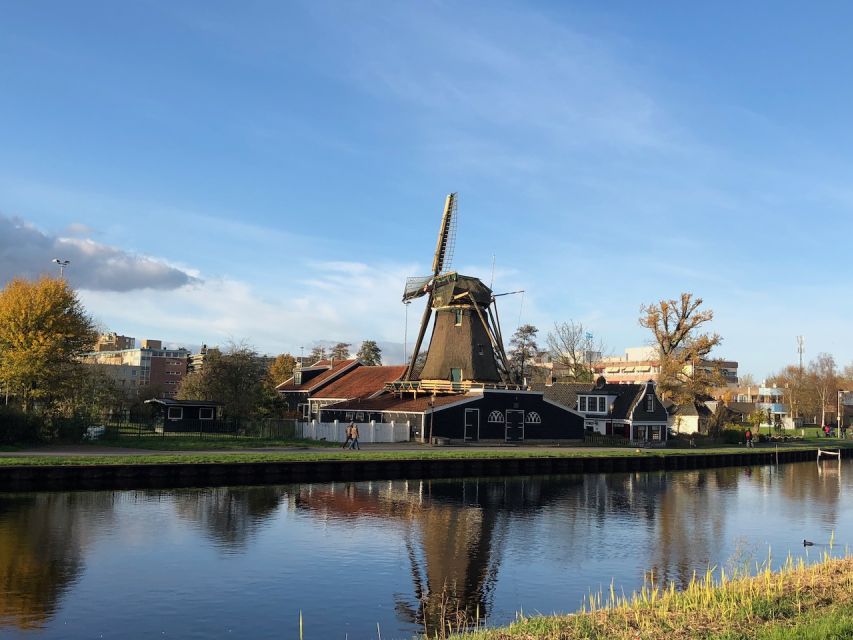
136	476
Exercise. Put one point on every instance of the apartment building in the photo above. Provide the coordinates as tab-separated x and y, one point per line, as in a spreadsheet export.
114	342
149	365
639	364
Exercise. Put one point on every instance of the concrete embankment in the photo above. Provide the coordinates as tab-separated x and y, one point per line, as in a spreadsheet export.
163	475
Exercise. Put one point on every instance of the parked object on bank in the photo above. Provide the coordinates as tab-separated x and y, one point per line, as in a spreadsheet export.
94	432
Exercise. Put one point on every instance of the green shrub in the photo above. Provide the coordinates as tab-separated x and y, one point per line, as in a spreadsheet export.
70	429
732	436
17	427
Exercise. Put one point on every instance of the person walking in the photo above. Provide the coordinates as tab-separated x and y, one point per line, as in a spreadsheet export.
748	436
349	436
354	433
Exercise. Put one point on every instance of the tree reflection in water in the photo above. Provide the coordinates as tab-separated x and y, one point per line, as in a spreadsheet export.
43	537
231	516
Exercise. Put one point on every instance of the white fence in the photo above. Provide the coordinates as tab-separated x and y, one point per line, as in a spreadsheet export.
367	431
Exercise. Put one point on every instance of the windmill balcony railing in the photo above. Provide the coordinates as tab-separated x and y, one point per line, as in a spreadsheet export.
447	386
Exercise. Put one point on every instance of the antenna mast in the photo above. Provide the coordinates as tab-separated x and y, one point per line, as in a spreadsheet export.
800	348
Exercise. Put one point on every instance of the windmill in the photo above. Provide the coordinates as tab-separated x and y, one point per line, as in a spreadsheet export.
466	343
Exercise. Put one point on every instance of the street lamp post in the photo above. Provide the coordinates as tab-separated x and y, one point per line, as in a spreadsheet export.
62	264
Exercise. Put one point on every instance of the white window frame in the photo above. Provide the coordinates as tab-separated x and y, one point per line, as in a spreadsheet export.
496	417
582	404
201	416
180	411
650	403
533	417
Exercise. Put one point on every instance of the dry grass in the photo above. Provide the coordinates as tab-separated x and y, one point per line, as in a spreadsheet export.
798	601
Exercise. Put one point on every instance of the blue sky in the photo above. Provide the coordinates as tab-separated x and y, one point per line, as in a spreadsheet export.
272	171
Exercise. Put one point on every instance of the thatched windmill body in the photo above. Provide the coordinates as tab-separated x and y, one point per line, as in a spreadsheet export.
466	345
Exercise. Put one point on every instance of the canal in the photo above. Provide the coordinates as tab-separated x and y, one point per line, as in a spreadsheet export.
243	562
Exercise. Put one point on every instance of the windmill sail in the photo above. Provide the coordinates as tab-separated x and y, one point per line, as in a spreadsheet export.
417	287
443	253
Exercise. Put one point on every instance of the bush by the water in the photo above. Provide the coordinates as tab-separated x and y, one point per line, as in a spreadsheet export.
19	427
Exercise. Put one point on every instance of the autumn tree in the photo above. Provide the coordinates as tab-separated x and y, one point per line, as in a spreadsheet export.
43	331
369	353
340	351
523	350
574	349
686	371
280	369
90	390
234	376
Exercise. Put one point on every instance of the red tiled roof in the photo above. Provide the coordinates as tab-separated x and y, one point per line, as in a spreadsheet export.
393	402
360	382
320	379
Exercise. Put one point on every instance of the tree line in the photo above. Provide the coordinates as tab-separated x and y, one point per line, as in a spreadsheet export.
45	385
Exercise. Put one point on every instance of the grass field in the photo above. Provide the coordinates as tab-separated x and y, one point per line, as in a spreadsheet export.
426	453
194	443
813	602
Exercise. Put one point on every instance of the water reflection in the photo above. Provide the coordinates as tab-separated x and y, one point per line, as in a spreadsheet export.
474	548
42	542
231	516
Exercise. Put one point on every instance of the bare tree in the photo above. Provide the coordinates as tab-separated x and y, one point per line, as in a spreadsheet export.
686	372
746	380
823	378
799	392
574	349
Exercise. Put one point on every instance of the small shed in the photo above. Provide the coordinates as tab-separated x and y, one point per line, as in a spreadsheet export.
180	416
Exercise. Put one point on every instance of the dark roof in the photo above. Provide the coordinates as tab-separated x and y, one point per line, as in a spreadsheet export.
744	408
627	398
692	409
563	393
393	402
169	402
360	382
331	372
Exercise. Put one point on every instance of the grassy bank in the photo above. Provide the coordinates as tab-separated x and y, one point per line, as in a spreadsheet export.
425	453
206	443
814	602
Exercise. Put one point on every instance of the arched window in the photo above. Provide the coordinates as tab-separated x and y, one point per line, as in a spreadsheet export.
496	416
533	417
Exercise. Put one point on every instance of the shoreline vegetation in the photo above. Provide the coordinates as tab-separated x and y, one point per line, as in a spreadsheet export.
799	601
172	453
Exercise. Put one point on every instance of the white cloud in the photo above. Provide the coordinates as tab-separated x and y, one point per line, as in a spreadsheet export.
335	301
27	251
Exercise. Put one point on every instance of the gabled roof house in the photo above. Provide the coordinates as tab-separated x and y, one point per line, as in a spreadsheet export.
631	411
327	382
